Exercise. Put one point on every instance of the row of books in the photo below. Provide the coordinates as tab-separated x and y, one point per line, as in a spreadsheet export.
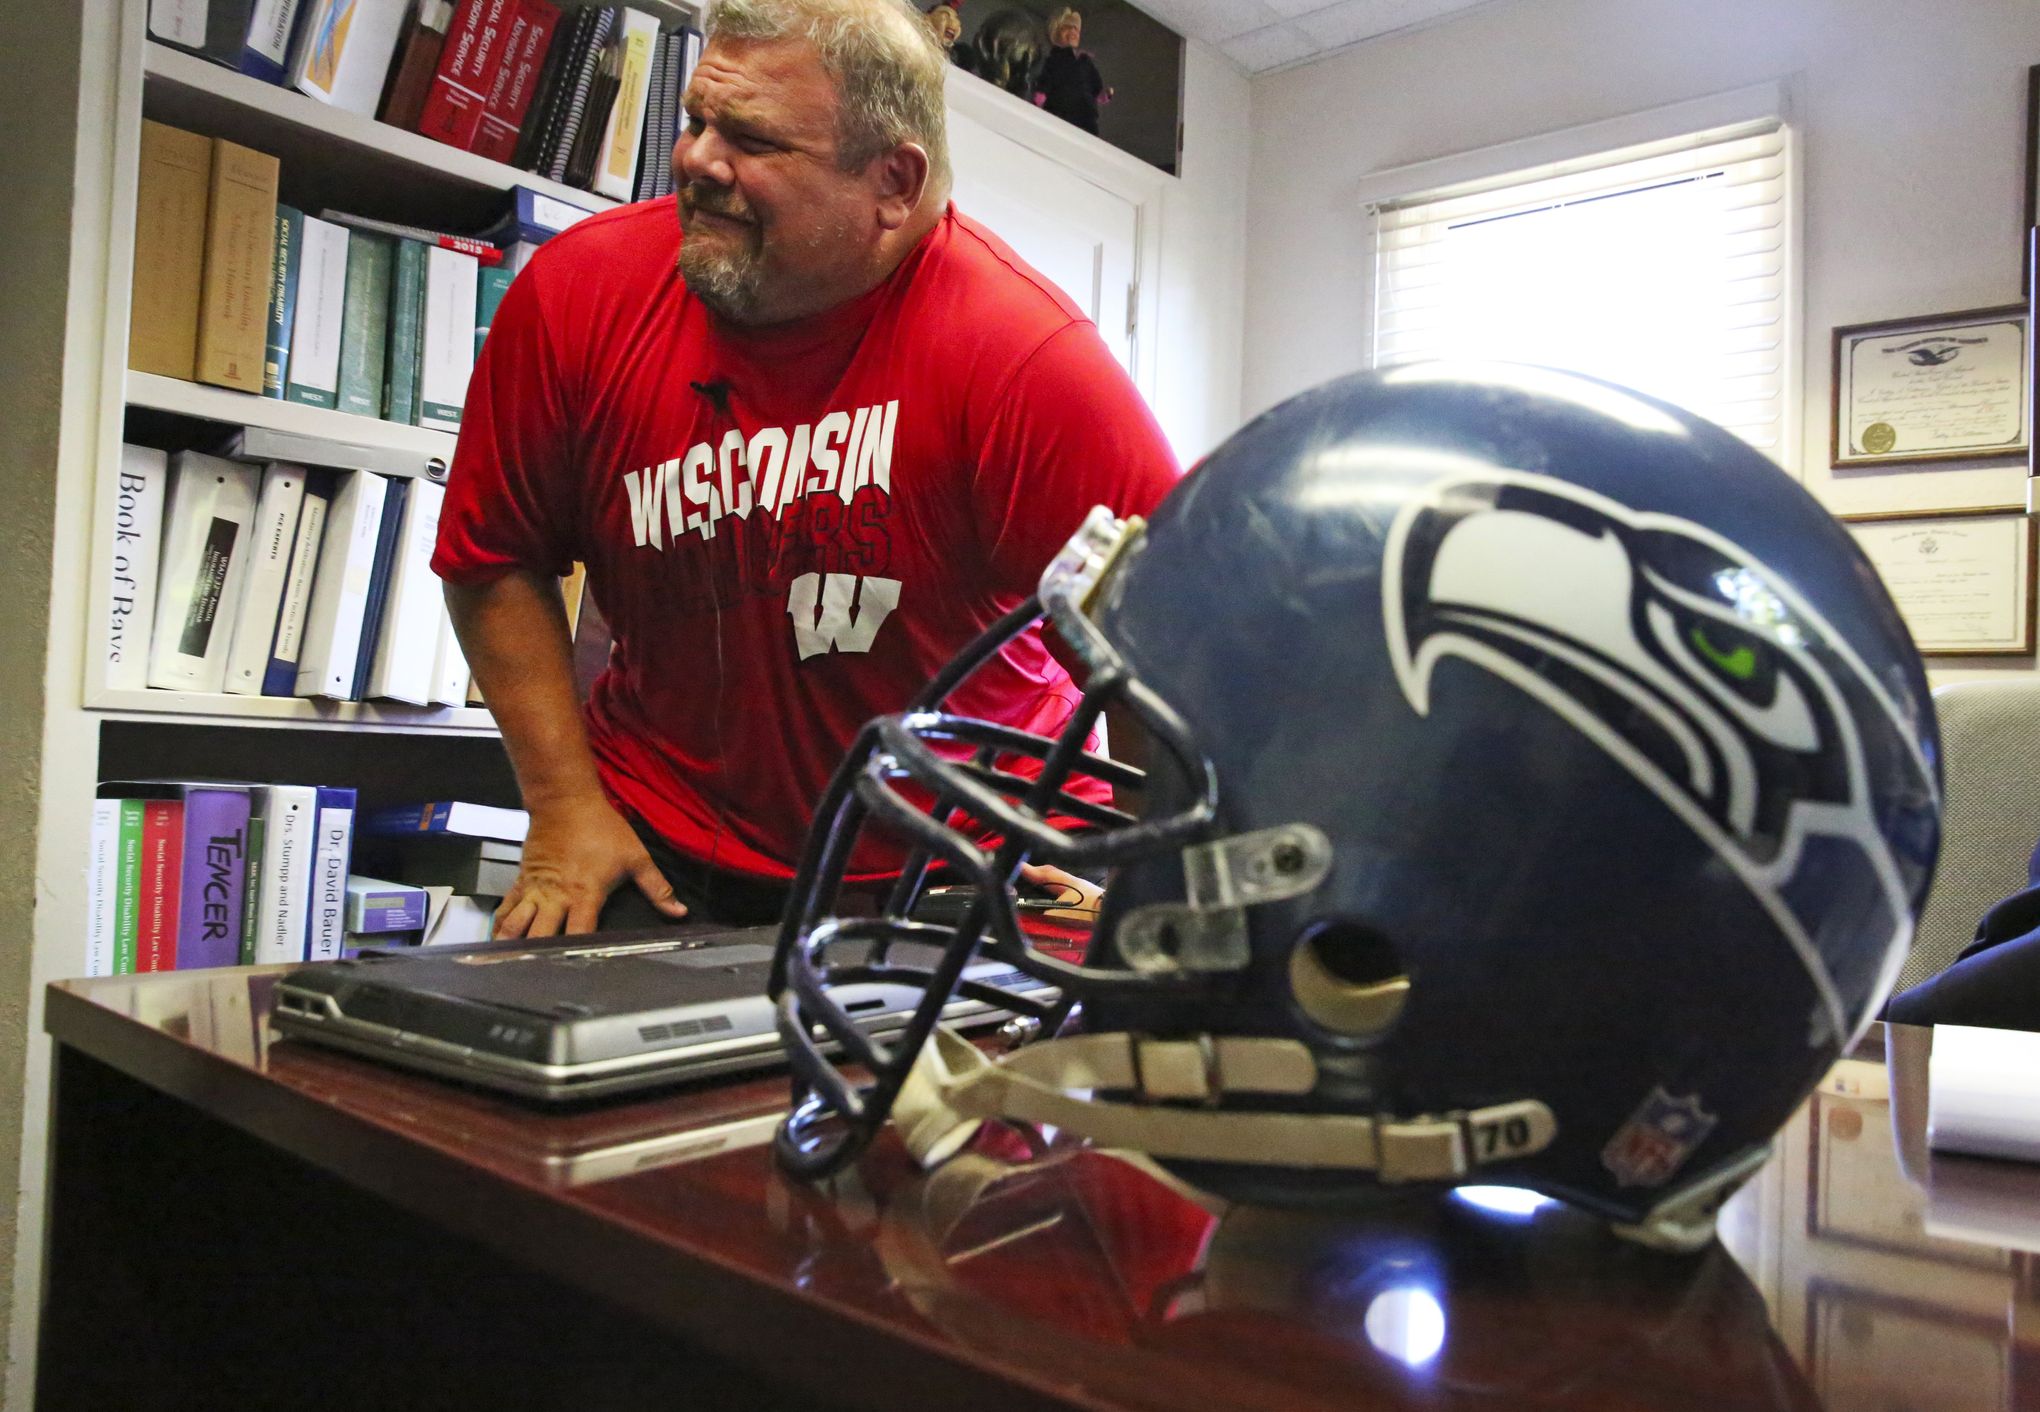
589	98
331	310
186	874
441	868
278	580
189	874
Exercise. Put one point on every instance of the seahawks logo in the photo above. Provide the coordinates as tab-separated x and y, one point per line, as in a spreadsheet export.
1702	674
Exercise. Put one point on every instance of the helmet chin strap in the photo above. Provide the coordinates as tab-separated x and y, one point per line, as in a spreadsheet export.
954	1087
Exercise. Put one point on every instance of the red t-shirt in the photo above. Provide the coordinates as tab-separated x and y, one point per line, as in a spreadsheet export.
788	530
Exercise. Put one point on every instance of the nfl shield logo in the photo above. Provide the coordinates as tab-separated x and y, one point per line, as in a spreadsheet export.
1657	1139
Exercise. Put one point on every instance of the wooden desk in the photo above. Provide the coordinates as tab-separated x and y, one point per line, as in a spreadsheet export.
239	1223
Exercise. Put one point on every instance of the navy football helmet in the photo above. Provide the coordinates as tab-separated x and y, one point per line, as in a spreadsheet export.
1543	791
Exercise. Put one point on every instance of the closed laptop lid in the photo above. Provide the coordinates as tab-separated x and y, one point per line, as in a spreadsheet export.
557	1003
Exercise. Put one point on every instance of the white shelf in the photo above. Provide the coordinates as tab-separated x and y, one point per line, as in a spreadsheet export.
202	708
286	114
244	409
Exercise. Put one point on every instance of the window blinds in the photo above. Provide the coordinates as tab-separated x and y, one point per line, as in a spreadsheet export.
1662	267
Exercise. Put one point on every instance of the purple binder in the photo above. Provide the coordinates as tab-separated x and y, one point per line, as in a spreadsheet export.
214	879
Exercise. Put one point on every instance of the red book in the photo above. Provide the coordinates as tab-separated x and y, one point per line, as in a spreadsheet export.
162	871
517	80
410	77
467	67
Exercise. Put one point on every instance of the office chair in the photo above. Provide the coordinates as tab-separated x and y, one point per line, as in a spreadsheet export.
1990	759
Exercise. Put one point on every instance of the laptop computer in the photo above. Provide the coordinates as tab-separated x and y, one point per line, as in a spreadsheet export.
594	1015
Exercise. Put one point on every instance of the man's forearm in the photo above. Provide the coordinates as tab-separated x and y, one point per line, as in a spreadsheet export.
513	632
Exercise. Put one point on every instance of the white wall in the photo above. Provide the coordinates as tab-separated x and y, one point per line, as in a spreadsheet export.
1912	125
1199	312
1192	229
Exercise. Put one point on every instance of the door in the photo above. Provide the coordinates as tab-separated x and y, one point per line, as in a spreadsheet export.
1076	233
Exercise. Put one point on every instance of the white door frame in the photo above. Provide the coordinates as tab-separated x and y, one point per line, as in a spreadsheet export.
1105	167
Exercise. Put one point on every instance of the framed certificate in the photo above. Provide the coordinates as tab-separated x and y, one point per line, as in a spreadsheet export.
1963	581
1947	387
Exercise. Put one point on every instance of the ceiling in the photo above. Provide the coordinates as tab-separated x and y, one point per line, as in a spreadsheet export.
1267	34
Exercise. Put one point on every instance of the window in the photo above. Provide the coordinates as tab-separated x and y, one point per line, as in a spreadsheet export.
1663	267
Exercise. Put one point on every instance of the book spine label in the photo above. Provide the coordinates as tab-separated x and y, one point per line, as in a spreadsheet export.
467	68
365	324
574	99
281	677
545	101
102	886
288	812
240	249
448	356
215	555
418	51
395	497
409	646
407	307
314	373
401	819
267	55
547	214
326	928
618	169
340	592
214	29
214	878
127	902
204	566
490	287
137	540
251	890
180	22
346	51
377	909
449	667
496	138
505	62
162	861
290	235
171	192
272	536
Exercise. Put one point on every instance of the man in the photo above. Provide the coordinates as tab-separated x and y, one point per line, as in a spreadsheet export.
808	439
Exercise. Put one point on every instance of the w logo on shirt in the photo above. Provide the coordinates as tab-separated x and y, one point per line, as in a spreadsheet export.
834	623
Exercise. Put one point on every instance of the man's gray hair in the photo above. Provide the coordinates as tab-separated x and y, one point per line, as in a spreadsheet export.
885	60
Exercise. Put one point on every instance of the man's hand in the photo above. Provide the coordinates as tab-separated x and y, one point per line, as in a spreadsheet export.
1080	896
574	857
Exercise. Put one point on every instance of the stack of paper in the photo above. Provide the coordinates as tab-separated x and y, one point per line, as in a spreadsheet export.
1983	1092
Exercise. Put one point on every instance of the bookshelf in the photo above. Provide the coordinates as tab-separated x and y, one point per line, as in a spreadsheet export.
271	711
204	402
328	157
184	90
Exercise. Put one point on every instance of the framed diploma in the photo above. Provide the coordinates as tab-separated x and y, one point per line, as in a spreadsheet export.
1948	387
1963	581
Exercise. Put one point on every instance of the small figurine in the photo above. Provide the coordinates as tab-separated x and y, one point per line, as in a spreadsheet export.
1009	48
1070	86
945	18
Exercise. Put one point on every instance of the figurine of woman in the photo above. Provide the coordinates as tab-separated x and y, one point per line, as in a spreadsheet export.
1070	86
945	18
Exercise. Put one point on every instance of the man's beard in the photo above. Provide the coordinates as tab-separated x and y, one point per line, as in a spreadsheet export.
727	277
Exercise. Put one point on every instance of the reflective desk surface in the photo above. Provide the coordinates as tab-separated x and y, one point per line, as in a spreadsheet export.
1854	1272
